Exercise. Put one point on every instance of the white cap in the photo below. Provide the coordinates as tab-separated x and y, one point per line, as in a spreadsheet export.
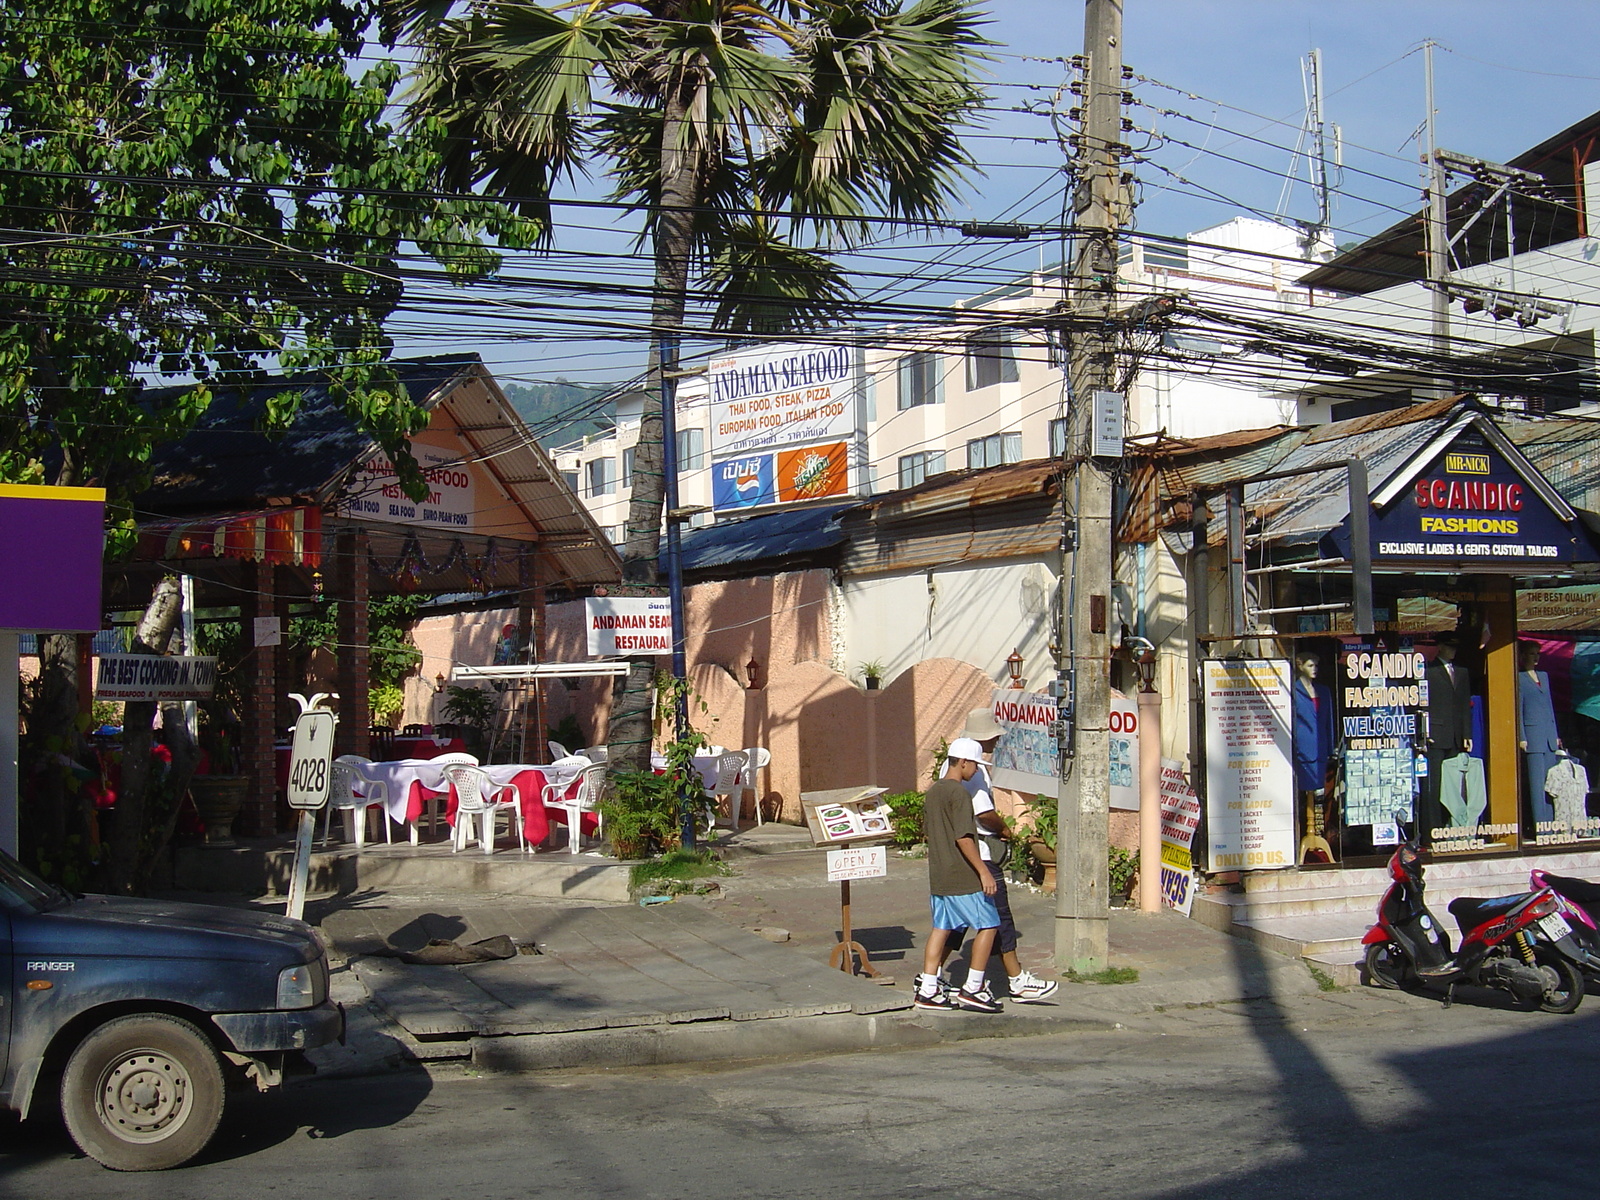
967	748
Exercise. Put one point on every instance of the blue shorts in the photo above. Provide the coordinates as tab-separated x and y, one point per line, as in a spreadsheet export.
972	911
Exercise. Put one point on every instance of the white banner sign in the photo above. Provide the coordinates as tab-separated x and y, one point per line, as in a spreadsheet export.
1180	817
154	677
858	862
628	625
1025	757
1123	737
787	395
1249	783
451	502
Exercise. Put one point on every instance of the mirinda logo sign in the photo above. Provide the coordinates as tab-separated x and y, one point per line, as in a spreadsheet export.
813	472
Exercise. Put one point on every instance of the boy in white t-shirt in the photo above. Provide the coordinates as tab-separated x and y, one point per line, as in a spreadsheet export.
1025	987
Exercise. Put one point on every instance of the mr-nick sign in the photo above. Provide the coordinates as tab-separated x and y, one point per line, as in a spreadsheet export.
1478	503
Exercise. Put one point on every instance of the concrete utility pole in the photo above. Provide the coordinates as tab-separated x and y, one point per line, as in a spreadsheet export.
1437	254
1082	911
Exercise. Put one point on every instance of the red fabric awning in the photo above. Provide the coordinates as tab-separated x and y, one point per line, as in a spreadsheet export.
273	535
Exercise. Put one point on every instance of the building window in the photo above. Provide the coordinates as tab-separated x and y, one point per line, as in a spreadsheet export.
994	450
571	478
1058	437
602	476
919	380
691	449
627	468
914	468
990	360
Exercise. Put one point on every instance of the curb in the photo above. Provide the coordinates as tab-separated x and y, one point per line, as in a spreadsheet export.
732	1041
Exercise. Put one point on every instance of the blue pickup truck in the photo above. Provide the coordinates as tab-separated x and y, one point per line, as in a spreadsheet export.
139	1014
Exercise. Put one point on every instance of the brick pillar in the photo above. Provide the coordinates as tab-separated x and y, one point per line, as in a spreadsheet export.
258	721
350	588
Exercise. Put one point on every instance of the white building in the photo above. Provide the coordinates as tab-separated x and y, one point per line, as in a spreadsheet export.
944	399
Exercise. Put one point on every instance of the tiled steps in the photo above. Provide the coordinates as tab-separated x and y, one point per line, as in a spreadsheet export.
1322	915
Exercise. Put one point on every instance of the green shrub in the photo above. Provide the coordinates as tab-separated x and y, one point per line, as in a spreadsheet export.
641	813
385	700
1123	866
1041	812
905	812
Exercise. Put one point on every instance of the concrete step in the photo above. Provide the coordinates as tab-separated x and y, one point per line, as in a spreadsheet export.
265	871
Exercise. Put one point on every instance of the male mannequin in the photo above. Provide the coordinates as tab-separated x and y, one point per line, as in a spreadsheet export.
1313	745
1449	745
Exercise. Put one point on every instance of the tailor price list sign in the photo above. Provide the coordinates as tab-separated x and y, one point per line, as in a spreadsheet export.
1249	781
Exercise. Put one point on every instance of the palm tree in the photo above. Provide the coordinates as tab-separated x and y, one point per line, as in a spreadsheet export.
721	120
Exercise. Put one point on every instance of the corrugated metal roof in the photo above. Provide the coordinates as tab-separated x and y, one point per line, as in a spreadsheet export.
786	534
226	464
1564	450
958	490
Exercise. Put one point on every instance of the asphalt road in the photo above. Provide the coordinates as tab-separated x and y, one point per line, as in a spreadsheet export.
1350	1094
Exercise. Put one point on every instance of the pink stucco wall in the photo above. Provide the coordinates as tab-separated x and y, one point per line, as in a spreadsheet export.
823	730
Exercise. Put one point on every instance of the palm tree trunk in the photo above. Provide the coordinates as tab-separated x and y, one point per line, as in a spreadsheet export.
682	177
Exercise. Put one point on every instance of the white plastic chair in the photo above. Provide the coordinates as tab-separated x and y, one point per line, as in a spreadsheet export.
431	804
557	750
346	780
596	753
756	758
479	798
584	798
729	783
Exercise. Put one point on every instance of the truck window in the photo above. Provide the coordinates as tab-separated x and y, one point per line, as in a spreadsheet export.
22	890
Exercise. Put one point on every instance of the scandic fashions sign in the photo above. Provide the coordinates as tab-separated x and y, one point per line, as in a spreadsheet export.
1471	503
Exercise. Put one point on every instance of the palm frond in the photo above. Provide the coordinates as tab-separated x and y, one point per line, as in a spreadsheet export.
766	285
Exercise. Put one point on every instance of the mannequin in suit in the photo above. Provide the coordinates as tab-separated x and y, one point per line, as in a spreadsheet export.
1536	729
1313	745
1452	784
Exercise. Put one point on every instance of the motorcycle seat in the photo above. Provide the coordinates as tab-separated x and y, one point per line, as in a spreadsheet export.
1471	911
1579	891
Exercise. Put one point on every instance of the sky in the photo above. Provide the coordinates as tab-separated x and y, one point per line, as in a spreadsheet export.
1218	106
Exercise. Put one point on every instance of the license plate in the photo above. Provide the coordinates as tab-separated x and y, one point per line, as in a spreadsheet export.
1554	927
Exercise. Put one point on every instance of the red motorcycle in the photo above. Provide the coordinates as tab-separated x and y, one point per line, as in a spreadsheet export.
1519	944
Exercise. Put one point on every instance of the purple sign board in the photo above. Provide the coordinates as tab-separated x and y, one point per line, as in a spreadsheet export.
54	540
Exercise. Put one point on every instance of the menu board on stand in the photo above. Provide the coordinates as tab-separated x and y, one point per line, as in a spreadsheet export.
1249	783
849	821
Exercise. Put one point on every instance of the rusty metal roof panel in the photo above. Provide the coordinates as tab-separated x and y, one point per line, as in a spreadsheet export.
1427	410
958	490
1563	448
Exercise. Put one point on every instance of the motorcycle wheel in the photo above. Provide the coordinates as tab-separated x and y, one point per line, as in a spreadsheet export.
1568	994
1387	967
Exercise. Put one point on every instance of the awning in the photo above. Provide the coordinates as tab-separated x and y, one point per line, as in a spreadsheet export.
527	671
288	534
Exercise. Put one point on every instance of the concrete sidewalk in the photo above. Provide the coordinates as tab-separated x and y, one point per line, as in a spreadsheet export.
691	980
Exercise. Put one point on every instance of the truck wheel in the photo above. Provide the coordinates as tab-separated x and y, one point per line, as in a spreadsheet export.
143	1093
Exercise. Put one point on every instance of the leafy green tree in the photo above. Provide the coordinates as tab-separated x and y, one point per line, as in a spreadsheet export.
718	119
200	189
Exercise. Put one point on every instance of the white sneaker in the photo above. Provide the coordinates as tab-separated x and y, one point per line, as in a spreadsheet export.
1027	988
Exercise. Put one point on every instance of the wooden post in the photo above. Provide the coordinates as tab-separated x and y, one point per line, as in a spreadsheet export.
1500	701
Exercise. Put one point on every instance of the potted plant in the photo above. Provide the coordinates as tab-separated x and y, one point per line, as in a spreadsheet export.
1042	812
473	709
872	673
1122	872
640	813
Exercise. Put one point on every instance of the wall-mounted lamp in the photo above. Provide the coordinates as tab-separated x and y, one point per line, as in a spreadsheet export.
1014	665
752	673
438	682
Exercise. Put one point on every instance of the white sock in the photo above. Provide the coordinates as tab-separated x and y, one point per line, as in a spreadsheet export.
927	985
974	982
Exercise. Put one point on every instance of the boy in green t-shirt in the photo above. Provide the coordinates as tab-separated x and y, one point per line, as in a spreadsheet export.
961	889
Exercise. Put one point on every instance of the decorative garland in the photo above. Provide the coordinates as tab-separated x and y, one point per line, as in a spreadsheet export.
412	563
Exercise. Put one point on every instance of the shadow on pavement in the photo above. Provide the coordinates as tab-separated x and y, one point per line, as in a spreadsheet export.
1514	1110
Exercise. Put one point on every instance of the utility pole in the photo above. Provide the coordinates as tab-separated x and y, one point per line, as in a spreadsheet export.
1084	658
1437	253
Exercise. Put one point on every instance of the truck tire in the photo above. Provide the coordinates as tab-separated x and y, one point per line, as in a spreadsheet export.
143	1093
